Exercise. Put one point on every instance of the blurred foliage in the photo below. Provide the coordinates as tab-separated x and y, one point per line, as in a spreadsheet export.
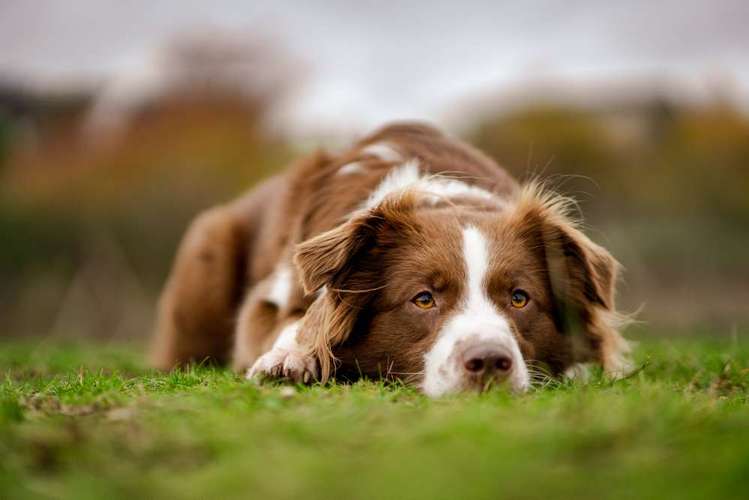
130	199
658	156
5	134
91	213
664	186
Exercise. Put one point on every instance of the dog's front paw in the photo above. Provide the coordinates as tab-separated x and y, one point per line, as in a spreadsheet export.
280	363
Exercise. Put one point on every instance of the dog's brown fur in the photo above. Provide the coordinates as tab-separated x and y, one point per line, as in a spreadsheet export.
215	304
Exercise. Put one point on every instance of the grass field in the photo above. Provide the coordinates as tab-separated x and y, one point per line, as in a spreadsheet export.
91	422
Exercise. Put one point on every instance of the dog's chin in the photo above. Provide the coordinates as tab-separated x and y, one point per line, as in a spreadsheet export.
477	385
515	384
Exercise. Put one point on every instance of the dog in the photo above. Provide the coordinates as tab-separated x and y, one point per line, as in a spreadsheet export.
410	256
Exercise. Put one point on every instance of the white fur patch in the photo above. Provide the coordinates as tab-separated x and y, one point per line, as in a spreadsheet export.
354	167
397	180
281	286
439	189
477	320
383	151
579	372
287	338
286	358
433	189
380	150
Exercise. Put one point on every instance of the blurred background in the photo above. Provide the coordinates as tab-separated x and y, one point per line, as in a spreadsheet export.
119	121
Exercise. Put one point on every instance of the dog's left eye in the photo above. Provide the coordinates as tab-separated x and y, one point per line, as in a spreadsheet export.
519	299
424	300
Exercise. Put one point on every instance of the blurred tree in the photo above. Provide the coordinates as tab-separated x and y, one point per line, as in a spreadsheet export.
670	183
135	165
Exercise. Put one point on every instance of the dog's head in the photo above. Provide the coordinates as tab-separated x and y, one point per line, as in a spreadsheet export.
459	297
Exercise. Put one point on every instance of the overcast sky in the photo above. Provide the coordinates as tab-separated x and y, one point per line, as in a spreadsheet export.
370	61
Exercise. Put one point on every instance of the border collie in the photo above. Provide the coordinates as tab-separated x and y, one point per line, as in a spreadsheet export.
410	255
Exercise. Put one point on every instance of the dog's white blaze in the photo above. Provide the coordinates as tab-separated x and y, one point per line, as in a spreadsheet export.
354	167
477	320
281	287
383	151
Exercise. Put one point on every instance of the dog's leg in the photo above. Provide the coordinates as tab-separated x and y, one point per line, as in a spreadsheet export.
256	324
198	304
288	358
292	354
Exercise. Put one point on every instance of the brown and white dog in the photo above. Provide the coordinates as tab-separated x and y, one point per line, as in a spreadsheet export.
411	255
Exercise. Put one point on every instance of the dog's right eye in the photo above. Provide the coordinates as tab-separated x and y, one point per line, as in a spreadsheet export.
424	300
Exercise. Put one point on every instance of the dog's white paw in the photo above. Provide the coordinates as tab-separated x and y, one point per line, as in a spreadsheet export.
280	363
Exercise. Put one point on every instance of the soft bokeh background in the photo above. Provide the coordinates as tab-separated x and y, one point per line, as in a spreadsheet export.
119	121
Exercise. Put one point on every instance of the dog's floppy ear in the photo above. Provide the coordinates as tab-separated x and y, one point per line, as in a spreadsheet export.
582	276
345	266
326	258
581	272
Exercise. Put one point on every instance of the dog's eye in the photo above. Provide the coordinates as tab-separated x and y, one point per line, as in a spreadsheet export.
519	299
424	300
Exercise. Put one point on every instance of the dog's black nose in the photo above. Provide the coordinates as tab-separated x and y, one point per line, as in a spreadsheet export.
487	359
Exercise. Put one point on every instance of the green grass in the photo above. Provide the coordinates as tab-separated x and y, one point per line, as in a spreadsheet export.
91	422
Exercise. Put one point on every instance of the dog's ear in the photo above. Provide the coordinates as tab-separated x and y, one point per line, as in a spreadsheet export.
346	266
350	250
328	257
581	272
582	276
